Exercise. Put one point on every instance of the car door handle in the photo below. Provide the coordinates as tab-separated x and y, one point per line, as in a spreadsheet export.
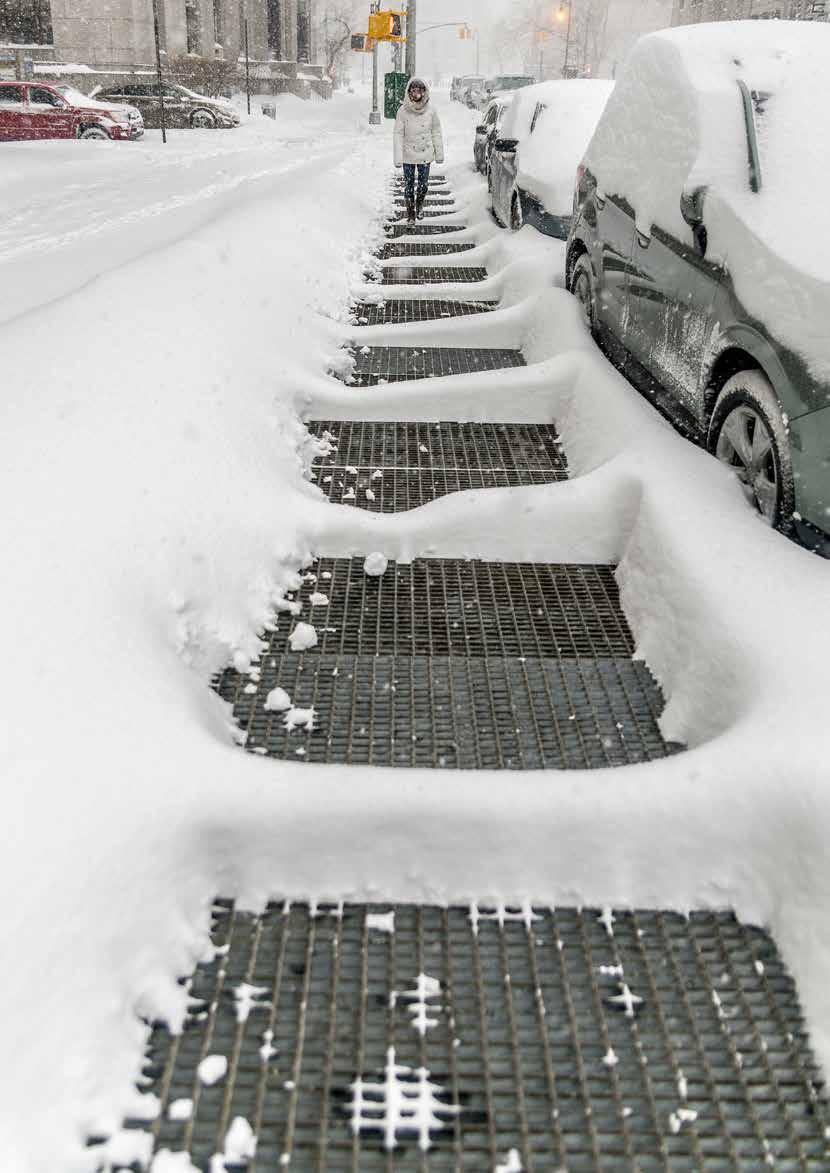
643	240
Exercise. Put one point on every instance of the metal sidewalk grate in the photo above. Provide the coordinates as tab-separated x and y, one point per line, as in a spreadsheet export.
446	606
448	444
392	363
431	201
401	228
421	275
448	712
395	310
400	217
388	252
394	490
325	1015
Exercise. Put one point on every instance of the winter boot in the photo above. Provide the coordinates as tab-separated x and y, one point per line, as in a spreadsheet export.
419	207
410	211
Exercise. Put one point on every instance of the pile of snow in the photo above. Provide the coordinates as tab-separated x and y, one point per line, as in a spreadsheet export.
675	121
548	157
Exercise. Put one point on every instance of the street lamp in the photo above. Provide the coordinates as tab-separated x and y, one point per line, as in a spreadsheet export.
564	13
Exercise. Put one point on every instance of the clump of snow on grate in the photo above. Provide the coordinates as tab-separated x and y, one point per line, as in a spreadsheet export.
128	1146
626	1000
144	1106
610	1058
303	636
502	915
277	701
181	1109
300	719
166	1161
267	1050
370	496
318	599
375	564
513	1164
680	1117
212	1069
248	998
240	1147
607	920
405	1105
381	922
418	1002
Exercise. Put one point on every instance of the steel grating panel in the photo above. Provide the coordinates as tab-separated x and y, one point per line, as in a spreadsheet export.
419	228
446	606
423	275
398	489
444	445
367	313
427	249
430	201
515	1014
450	712
393	363
398	217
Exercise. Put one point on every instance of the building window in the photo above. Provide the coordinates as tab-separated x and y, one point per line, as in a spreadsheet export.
192	24
26	22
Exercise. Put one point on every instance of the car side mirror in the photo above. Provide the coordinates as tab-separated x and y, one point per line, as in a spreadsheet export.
691	206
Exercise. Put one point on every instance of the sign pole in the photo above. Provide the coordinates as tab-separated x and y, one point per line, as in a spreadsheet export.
247	67
157	36
411	36
374	116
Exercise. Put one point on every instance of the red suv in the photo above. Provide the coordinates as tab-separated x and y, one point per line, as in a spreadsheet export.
29	110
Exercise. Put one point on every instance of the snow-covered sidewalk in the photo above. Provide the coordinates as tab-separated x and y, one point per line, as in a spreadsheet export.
156	507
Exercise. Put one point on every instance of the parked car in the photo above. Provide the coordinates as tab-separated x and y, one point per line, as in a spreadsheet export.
503	83
30	110
699	250
487	132
460	85
182	107
537	150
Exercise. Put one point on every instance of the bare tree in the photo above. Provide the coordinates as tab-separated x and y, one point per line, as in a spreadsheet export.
543	32
336	23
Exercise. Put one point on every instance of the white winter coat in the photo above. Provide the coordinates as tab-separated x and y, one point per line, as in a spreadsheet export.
418	137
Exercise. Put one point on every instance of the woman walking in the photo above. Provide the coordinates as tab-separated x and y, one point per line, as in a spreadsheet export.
418	143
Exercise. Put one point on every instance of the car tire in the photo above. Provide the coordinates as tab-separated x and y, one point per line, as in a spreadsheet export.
583	287
94	132
516	217
203	120
489	175
748	434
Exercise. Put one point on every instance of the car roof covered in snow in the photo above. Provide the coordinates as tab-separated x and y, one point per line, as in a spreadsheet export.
548	158
675	121
525	100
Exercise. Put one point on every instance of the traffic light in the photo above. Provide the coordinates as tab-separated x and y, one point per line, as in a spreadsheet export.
465	33
361	43
386	26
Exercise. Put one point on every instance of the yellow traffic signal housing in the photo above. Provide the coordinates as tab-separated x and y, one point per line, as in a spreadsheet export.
361	43
386	26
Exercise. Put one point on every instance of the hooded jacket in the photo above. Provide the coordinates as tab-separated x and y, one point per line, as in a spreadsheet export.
418	137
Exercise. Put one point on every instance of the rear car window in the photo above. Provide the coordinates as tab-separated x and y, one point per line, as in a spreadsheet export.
11	94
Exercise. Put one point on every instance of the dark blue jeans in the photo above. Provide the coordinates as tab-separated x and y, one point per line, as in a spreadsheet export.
409	170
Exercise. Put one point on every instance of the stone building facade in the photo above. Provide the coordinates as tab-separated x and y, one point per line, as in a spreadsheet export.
695	11
120	32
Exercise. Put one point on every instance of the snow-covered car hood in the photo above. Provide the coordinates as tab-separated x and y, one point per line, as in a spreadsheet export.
80	101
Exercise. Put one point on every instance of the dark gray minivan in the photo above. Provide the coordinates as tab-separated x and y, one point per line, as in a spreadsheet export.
692	267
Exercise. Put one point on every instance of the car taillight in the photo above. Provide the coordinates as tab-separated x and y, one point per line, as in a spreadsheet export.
580	174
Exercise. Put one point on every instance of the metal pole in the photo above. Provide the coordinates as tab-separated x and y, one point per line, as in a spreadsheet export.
478	53
568	38
589	12
411	37
157	36
541	53
374	117
247	67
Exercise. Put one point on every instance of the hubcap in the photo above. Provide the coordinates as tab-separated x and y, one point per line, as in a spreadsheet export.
202	120
746	446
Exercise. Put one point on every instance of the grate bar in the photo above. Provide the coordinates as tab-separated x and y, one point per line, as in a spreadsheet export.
395	363
416	310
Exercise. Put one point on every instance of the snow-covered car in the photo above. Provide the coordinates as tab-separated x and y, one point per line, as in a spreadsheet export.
183	108
538	149
700	249
487	132
479	96
42	110
460	85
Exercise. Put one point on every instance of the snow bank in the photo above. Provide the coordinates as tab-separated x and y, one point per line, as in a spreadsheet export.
548	158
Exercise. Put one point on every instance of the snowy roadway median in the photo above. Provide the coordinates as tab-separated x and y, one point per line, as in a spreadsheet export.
153	465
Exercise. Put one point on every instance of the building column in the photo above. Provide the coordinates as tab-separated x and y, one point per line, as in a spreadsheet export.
303	31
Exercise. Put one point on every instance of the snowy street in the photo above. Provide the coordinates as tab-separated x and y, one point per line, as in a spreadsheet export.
176	326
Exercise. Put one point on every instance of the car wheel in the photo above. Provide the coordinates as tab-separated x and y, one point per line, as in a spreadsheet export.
748	434
516	218
94	132
203	120
582	286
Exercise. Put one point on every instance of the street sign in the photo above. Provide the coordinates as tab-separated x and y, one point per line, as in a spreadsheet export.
394	92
